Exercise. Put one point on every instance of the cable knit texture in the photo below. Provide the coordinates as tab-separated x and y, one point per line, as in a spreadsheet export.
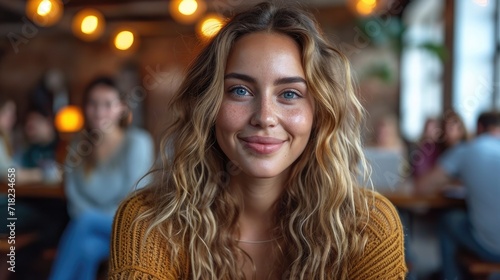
130	259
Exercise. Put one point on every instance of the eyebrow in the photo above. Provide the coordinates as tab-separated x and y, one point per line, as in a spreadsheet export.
280	81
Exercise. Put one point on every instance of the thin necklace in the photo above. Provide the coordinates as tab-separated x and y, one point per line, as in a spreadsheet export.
257	241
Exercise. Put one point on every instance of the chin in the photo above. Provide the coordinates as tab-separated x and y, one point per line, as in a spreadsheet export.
263	173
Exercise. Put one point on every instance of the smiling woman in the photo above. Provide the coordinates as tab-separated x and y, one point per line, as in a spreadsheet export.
266	114
259	181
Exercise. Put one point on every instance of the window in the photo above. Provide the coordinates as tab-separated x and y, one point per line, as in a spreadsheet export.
421	66
473	59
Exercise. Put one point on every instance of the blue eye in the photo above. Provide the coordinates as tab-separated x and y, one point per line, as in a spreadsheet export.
241	91
290	95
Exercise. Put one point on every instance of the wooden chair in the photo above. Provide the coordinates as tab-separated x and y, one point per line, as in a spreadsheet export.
477	268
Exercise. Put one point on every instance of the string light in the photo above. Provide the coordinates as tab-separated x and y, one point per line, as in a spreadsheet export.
187	11
188	7
44	12
366	7
209	26
69	119
44	8
124	40
88	24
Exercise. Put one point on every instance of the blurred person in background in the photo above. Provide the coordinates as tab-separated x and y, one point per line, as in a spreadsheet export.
39	219
44	216
24	175
476	165
7	122
387	136
431	131
42	139
386	154
454	131
388	142
102	166
435	141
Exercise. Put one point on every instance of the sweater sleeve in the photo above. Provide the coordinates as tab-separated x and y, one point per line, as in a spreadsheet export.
384	253
130	257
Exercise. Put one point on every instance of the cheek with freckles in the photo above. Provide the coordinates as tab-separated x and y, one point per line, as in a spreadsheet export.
299	122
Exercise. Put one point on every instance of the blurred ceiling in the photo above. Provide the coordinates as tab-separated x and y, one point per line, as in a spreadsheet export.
150	17
116	10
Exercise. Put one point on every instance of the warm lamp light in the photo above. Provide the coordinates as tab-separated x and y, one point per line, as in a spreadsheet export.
209	26
44	8
88	24
366	7
44	12
187	11
188	7
124	40
69	119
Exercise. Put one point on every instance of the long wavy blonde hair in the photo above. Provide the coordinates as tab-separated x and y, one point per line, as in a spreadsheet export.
322	212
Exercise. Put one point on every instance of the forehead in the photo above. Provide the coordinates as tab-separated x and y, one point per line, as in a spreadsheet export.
103	92
263	49
36	115
9	105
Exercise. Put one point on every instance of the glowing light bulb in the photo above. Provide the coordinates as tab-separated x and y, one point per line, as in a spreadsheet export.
69	119
44	8
210	27
366	7
89	24
124	40
44	12
187	11
188	7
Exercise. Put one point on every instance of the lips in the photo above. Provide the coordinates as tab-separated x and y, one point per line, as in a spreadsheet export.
262	145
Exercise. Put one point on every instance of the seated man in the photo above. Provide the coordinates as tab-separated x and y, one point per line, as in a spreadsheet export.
477	165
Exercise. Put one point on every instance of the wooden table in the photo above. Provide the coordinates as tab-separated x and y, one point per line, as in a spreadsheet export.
409	200
35	190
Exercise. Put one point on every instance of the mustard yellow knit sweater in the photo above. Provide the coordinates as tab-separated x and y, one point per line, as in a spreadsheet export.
383	257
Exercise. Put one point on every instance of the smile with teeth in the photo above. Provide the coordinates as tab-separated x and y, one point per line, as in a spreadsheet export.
262	145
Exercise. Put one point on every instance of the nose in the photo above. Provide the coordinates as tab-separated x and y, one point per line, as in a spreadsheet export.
100	110
265	113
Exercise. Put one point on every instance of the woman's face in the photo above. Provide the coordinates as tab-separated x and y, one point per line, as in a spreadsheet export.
386	132
7	116
38	128
266	115
104	109
453	131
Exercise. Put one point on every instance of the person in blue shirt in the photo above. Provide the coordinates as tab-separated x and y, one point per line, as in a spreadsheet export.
476	164
103	165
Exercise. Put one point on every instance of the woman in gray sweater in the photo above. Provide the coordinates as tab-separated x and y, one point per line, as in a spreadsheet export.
104	163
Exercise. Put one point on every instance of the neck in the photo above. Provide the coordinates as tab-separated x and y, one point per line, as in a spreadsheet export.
495	131
258	199
47	140
112	134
